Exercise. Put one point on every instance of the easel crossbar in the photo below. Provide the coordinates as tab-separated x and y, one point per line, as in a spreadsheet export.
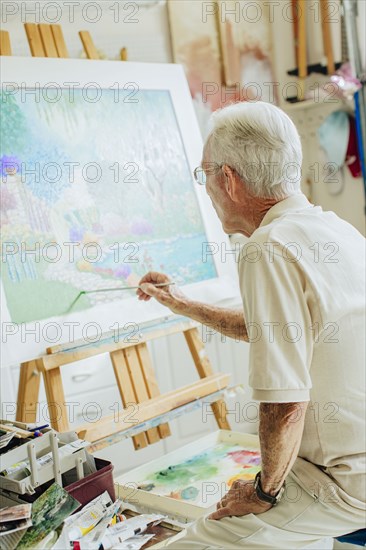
161	418
154	407
109	344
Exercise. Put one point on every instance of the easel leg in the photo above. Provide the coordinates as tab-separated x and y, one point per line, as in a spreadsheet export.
56	400
151	382
302	57
204	368
327	36
126	391
134	369
28	391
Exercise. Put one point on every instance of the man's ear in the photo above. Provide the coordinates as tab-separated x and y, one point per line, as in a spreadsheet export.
232	182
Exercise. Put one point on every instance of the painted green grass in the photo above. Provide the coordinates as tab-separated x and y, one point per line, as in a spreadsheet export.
56	299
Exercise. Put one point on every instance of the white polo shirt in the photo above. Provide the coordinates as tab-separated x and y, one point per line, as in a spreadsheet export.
302	280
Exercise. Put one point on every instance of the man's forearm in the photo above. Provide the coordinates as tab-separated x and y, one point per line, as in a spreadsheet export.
229	322
280	431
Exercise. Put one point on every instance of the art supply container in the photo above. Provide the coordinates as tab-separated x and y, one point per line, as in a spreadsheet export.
93	485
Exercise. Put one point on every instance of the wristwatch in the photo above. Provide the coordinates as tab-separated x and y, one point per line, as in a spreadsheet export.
271	499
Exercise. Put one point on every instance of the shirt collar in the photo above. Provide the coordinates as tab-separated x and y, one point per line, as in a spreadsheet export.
291	204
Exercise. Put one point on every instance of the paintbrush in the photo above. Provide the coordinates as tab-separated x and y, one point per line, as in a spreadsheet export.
112	290
19	432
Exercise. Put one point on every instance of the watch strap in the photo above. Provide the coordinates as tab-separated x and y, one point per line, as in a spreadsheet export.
265	497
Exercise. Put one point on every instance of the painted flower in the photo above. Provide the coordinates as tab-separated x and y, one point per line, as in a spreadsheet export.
122	271
76	234
9	165
141	227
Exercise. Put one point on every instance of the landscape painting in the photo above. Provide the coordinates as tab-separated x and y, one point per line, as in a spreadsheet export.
95	192
97	188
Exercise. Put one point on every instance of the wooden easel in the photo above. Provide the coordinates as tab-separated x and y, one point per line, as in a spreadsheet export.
136	382
299	8
5	47
48	41
131	361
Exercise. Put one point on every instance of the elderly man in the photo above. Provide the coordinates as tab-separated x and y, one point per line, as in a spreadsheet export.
302	285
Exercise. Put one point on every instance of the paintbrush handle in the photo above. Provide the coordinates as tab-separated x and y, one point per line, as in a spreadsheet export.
122	288
82	292
18	431
160	284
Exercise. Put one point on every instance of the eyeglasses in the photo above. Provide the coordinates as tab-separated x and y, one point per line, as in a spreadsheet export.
200	174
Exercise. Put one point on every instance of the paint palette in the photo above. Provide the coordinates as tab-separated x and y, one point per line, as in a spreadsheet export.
189	481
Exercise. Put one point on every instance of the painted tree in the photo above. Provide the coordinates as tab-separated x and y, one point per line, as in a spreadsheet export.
13	127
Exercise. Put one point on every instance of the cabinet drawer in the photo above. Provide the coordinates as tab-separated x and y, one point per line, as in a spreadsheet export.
80	377
86	407
92	406
88	375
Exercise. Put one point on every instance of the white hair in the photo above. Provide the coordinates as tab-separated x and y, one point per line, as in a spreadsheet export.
261	143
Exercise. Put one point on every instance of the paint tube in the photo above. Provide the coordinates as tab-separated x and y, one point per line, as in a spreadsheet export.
15	468
93	540
134	543
69	522
91	516
125	530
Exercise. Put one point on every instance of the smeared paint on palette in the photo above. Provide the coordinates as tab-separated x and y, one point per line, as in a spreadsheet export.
204	478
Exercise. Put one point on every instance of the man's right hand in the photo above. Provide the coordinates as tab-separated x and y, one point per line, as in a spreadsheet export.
169	296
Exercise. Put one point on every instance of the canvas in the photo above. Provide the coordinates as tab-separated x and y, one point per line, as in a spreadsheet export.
196	45
225	48
132	210
245	30
97	189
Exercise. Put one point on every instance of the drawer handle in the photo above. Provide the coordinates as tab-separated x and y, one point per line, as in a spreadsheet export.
80	377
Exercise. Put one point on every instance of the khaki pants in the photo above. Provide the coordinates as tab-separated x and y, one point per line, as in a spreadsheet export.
294	523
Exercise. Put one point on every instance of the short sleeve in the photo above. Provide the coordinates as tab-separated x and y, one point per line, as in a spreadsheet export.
278	321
